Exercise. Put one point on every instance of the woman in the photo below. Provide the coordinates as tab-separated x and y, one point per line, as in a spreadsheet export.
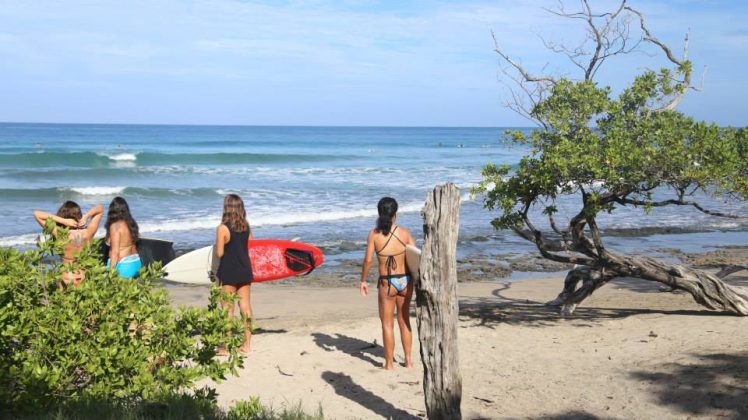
395	287
80	234
234	270
121	236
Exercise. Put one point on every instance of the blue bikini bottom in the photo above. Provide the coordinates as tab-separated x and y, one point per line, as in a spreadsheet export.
128	267
399	282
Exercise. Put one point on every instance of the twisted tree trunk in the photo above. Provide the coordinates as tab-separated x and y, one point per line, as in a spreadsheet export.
706	289
436	304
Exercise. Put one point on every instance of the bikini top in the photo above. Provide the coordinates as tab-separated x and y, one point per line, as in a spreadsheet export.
390	263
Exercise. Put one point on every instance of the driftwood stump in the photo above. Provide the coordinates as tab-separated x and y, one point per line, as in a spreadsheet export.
437	306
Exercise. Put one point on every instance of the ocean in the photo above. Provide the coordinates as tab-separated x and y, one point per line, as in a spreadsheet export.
321	184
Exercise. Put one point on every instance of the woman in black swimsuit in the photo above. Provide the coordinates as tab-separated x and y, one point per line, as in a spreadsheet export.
234	271
395	286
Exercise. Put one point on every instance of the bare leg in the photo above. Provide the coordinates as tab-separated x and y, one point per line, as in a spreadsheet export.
387	316
228	306
403	321
245	306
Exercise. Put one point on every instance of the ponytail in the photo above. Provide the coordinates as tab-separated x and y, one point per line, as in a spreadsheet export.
387	208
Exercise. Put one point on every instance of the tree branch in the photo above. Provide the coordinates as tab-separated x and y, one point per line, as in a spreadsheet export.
680	202
680	63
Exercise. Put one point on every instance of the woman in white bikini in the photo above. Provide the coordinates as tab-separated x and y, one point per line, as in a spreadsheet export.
395	287
82	227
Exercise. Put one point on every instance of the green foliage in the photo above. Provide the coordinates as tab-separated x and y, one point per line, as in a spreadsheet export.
616	151
109	339
201	405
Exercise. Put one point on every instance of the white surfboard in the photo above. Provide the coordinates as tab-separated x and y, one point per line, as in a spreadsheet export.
192	267
413	261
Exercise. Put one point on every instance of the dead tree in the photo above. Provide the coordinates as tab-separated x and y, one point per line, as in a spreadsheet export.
607	152
437	306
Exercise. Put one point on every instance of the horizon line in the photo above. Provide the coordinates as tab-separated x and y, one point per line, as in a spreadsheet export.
259	125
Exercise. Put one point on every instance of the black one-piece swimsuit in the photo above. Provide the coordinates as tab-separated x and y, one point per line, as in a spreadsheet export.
235	267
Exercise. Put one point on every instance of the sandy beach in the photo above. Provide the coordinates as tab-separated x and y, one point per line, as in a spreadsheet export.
630	351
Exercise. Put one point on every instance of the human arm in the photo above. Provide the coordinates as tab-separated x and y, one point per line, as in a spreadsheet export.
94	214
368	257
42	216
115	238
222	237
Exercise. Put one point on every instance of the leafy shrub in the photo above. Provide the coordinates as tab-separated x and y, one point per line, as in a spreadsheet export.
109	339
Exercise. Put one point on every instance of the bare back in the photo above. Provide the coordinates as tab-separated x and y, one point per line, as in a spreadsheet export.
121	238
392	246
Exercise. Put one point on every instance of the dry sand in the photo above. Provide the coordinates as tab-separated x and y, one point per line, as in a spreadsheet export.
630	351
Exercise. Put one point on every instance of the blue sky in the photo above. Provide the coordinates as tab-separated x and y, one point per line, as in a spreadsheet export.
402	63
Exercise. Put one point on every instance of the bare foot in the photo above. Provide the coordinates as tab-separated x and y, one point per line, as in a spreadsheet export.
221	351
408	364
388	367
244	349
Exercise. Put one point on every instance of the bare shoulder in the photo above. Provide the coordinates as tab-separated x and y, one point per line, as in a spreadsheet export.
404	232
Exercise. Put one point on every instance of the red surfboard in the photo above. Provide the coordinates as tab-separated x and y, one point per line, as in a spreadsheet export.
274	259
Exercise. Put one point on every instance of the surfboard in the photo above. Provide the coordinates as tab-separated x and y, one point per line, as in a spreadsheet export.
149	249
271	259
413	261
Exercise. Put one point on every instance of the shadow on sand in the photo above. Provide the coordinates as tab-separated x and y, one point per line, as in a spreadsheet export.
345	387
500	309
355	347
715	386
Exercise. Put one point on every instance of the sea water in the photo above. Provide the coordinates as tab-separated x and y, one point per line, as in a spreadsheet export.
321	184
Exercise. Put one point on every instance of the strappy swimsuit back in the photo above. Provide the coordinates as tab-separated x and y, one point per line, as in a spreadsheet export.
398	281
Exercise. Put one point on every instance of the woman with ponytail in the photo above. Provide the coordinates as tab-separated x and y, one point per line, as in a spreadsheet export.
394	285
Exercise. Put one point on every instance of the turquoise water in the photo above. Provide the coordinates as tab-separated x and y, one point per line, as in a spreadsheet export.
319	183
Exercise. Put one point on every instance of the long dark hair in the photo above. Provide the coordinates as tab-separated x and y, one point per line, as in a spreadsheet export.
119	210
70	210
387	208
234	214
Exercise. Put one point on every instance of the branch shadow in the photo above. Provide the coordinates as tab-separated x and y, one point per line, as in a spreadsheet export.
500	309
715	387
261	330
345	387
352	346
573	415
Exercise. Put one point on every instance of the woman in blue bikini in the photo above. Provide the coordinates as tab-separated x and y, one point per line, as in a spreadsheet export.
121	236
395	287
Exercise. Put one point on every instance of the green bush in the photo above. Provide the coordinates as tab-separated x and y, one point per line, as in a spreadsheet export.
109	340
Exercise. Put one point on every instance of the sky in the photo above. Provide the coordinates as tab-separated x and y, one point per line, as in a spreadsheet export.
372	63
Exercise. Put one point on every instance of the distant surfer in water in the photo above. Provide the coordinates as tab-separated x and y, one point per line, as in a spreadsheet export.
234	270
81	232
395	286
122	233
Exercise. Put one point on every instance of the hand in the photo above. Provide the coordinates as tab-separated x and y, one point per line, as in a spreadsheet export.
83	221
364	288
71	223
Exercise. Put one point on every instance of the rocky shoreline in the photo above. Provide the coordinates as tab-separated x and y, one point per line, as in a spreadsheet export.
346	273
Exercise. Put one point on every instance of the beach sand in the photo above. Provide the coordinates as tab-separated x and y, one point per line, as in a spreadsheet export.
630	351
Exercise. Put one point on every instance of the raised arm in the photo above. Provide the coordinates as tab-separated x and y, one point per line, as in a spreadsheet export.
42	216
368	257
94	214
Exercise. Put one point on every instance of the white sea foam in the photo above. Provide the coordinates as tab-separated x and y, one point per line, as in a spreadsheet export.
27	239
121	157
97	190
268	218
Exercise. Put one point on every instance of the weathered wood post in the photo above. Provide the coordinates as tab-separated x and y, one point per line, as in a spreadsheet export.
437	306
